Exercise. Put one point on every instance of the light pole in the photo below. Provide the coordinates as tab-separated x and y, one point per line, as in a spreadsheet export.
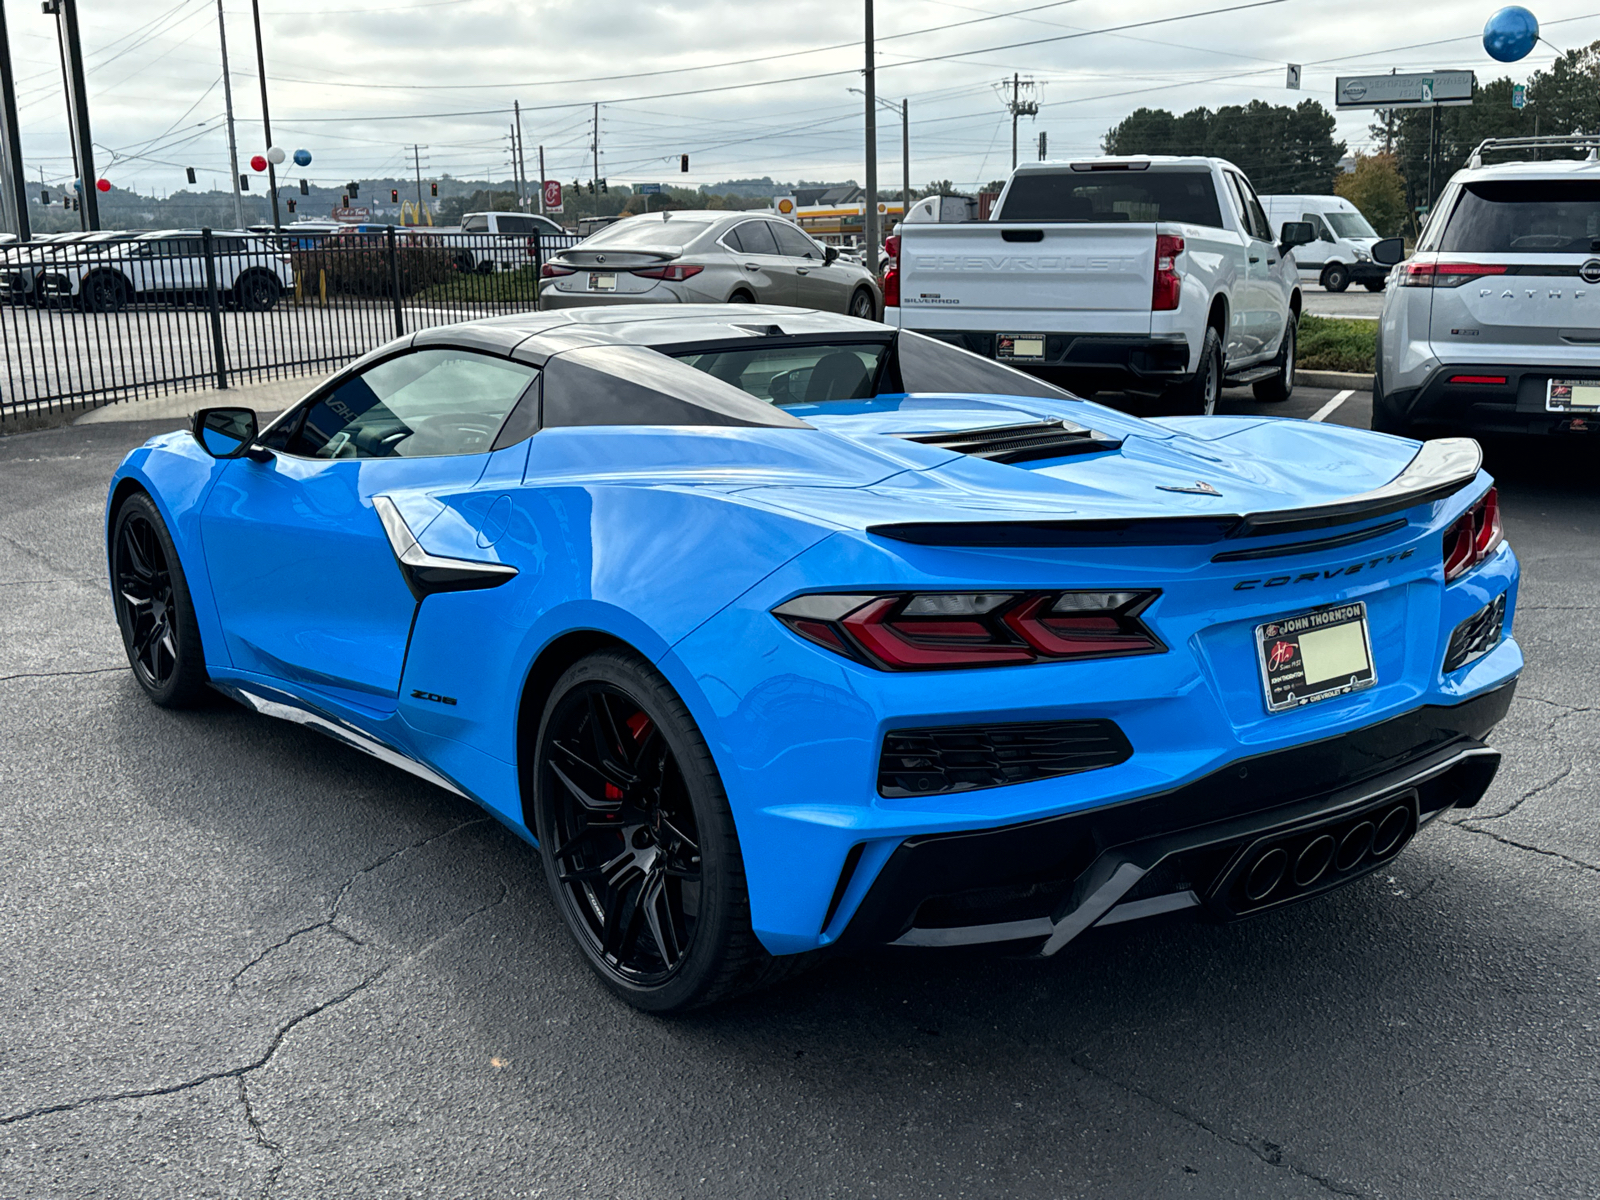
870	208
227	96
904	109
66	15
266	119
15	183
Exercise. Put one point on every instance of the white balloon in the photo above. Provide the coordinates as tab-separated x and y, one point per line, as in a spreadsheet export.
276	155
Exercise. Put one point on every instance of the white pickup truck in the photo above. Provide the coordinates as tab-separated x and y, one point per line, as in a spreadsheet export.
1159	276
486	242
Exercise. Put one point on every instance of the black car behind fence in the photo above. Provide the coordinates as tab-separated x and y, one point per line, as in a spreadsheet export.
90	322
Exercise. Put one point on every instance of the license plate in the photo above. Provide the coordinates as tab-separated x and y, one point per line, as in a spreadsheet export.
1019	347
602	283
1572	395
1315	656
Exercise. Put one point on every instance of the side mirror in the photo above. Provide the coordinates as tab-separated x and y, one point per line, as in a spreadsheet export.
1388	252
1295	233
829	254
224	432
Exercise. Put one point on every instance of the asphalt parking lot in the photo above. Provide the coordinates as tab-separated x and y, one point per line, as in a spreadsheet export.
237	959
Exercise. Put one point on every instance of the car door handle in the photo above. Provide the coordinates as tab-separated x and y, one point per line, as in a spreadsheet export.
1272	262
1254	258
802	270
751	267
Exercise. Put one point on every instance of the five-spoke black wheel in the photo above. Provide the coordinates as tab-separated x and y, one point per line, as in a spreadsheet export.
153	608
638	842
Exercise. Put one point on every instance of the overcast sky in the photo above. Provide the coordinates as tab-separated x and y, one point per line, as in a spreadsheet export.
745	89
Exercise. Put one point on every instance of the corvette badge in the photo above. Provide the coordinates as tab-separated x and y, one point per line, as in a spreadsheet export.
1200	488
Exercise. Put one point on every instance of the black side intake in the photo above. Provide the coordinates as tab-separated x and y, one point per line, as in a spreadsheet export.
1020	443
1476	636
959	758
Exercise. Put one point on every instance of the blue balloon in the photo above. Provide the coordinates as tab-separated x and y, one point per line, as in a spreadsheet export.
1510	34
302	158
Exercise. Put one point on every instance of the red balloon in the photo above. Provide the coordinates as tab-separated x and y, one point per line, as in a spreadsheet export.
258	163
103	184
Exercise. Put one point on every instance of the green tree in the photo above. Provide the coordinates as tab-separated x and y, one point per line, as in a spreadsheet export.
940	187
1282	149
1378	190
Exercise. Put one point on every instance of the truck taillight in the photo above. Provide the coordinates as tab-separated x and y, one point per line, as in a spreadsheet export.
1168	285
891	284
891	246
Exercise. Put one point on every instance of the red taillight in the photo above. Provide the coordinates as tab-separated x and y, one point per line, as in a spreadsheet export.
533	246
929	631
1476	534
1446	274
891	284
551	271
1477	379
1168	285
673	274
891	246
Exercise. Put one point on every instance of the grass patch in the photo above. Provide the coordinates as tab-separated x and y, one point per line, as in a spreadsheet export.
1333	344
502	287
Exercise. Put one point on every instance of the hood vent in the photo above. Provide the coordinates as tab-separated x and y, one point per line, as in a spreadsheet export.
1020	443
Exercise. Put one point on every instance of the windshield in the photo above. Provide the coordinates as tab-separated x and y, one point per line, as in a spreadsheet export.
1350	225
646	235
1189	197
796	374
1549	216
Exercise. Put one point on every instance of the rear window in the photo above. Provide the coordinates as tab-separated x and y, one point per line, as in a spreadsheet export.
1188	197
1526	216
796	374
646	235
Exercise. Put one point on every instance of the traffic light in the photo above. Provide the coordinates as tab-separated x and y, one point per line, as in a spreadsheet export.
603	187
591	187
344	200
291	204
355	188
44	197
433	189
683	163
189	171
244	183
394	195
305	188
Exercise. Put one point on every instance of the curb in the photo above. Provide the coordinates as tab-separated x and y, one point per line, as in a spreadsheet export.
1354	380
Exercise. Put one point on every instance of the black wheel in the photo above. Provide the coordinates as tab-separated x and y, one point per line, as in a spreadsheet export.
1336	277
1384	417
104	291
741	297
464	262
486	267
638	843
257	291
862	305
1374	285
153	607
1281	386
1198	395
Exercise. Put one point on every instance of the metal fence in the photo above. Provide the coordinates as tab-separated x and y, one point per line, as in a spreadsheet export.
94	319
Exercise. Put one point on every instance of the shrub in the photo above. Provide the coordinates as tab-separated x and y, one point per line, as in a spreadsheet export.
1335	344
361	268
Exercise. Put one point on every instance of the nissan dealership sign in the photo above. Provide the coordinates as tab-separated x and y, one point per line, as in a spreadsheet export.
1426	89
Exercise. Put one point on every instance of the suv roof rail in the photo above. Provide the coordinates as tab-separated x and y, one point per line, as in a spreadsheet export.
1575	141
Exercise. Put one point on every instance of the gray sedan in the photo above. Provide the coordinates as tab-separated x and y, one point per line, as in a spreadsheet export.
707	257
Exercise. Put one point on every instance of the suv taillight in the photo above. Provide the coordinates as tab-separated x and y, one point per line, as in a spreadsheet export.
1476	534
1446	274
928	631
1168	284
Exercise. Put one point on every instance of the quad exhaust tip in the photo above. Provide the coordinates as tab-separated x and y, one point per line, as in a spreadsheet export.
1277	870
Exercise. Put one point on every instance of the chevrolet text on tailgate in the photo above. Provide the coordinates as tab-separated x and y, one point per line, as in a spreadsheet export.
1156	275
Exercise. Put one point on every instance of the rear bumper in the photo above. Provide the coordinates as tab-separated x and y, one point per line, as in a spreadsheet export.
1161	357
1443	401
1209	844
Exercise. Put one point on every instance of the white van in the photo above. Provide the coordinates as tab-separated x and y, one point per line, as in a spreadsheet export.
1342	253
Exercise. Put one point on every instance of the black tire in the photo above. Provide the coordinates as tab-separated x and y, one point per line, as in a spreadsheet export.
638	842
1198	395
863	306
486	267
1374	285
257	291
1281	386
1335	277
1384	418
103	291
154	610
464	262
741	297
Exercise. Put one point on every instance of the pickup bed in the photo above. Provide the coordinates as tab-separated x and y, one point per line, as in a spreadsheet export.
1160	276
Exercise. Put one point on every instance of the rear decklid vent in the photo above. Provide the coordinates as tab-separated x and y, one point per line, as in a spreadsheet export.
1020	443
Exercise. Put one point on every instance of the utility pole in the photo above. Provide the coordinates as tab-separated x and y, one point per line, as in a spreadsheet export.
227	96
1018	107
870	208
905	159
594	181
416	161
266	119
66	14
541	181
15	183
522	163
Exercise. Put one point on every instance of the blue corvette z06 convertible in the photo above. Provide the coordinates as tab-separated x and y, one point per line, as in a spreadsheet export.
778	631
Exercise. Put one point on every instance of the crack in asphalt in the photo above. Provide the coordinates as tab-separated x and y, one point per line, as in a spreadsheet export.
327	922
1491	834
1520	800
1270	1153
274	1045
56	674
68	576
280	1156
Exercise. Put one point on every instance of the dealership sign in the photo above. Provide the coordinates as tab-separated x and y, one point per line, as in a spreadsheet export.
1429	89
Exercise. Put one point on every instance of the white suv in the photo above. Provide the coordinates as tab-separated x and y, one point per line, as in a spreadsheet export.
1493	325
248	273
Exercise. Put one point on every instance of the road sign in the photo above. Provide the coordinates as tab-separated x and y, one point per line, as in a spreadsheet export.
647	189
1519	96
1437	88
1293	80
552	195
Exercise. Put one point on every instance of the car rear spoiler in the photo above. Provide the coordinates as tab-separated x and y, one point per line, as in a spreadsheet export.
1440	468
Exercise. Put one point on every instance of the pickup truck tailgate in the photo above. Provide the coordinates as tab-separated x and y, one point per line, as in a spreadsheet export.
1079	278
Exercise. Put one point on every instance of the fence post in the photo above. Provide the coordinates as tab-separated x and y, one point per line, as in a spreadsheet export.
394	282
219	352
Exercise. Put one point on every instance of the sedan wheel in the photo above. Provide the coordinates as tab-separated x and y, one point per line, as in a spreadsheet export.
863	306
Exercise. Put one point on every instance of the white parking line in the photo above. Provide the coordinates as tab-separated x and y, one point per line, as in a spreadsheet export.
1327	410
